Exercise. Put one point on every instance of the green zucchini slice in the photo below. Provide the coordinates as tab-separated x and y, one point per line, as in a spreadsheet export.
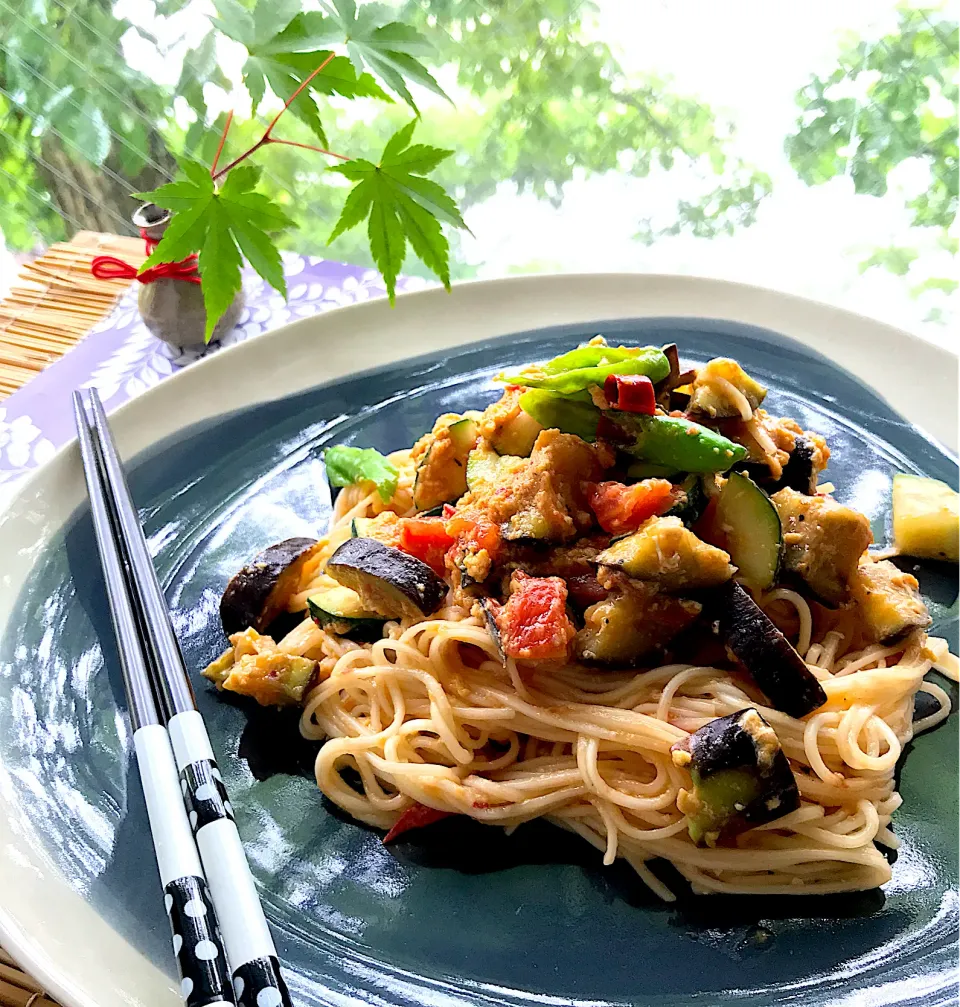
517	436
752	530
339	610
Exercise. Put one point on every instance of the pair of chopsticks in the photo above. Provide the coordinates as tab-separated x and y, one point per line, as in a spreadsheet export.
224	950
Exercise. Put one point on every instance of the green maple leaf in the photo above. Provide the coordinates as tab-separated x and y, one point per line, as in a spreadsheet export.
285	71
219	224
400	205
388	48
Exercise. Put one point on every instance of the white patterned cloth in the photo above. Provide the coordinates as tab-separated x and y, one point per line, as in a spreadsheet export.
121	359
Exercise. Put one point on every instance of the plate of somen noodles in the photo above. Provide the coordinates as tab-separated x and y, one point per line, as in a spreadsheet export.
585	640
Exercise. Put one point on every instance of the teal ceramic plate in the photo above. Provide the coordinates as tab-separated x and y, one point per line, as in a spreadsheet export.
461	915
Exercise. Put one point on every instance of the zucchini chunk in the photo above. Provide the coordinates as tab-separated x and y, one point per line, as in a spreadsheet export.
751	530
741	778
389	582
778	670
260	591
671	556
926	518
339	610
517	435
254	667
385	528
441	476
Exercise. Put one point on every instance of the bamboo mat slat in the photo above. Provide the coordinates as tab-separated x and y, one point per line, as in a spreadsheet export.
54	303
17	989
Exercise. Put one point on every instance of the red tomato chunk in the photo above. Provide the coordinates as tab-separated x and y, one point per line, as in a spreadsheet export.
533	624
621	509
427	539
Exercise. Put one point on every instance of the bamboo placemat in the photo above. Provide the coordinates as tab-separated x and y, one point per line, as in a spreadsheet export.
54	303
17	989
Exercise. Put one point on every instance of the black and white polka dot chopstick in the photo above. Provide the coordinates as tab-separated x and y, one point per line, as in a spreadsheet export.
187	802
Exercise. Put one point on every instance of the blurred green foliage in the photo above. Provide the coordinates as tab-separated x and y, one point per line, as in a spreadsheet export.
891	101
81	129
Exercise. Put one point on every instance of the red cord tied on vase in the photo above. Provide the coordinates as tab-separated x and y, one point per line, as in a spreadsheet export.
107	267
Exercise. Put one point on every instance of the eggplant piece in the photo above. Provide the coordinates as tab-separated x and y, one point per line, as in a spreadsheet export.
888	600
666	553
799	473
823	542
259	592
741	778
634	622
490	608
388	581
778	670
666	388
693	503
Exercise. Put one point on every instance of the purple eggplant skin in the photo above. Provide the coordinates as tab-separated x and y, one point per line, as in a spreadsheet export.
258	594
773	663
798	474
389	581
491	620
741	743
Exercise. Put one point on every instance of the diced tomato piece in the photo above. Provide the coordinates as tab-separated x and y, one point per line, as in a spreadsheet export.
415	817
427	539
621	509
449	510
534	624
631	393
475	534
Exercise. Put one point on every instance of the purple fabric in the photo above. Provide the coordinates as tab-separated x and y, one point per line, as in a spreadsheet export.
121	359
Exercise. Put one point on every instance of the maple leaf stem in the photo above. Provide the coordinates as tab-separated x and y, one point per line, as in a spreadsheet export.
293	96
267	138
223	139
308	146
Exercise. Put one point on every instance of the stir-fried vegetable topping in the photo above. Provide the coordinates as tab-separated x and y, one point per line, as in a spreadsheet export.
346	466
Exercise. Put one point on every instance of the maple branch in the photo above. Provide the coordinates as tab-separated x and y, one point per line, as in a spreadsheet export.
307	146
293	96
223	138
267	138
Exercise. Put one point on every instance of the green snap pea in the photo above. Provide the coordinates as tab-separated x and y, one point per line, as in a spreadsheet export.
560	412
677	443
591	365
